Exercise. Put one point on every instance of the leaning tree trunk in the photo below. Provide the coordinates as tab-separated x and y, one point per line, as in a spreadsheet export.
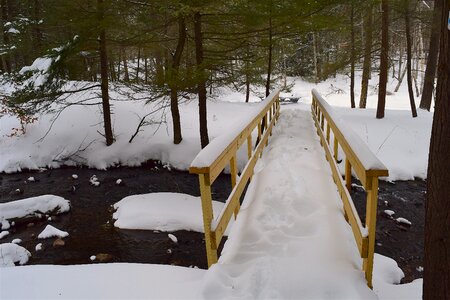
176	122
433	50
383	59
201	86
409	58
436	284
353	56
367	58
104	78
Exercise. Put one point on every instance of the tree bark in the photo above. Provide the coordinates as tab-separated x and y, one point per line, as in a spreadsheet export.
126	77
436	284
269	64
409	58
383	59
433	50
201	85
6	41
352	56
104	77
177	137
367	57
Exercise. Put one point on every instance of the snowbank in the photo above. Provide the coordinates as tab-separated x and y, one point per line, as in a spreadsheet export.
34	206
161	211
50	231
11	253
100	281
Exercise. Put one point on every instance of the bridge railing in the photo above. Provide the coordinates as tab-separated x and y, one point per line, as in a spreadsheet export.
366	167
221	152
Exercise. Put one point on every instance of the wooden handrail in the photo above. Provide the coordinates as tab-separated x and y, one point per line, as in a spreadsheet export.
213	159
367	168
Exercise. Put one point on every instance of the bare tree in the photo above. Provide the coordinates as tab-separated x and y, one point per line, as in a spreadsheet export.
383	59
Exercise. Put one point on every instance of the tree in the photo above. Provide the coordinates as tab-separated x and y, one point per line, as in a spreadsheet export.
352	55
436	283
383	59
407	16
367	56
433	50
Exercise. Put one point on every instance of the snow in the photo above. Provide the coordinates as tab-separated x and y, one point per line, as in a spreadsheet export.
100	281
119	181
31	179
92	258
94	180
51	231
11	253
40	68
362	151
403	221
74	176
161	211
38	247
173	238
387	276
3	234
16	241
389	212
33	206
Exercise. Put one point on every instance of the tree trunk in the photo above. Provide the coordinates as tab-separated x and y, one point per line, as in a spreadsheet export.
201	85
436	283
409	58
383	59
5	18
433	50
316	62
367	58
353	56
126	77
104	78
177	137
138	64
269	64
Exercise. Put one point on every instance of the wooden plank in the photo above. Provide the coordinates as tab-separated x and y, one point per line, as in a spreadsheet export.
210	243
371	215
348	174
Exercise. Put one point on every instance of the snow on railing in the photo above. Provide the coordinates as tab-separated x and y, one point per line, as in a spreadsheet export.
367	168
222	151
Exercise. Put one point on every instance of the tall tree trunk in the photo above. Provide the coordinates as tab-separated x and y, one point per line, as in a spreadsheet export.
352	56
409	58
177	137
367	57
316	59
145	67
269	63
436	284
138	64
201	85
383	59
433	50
104	78
6	41
126	77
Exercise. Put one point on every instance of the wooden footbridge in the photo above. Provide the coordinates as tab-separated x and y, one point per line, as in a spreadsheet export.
339	144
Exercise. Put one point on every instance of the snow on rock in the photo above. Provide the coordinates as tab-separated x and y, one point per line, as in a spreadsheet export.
162	211
403	221
16	241
101	281
94	180
389	212
74	176
173	238
31	179
119	181
3	234
33	206
92	258
11	253
51	231
4	224
386	279
38	247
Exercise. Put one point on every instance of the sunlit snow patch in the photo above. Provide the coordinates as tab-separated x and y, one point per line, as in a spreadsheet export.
51	231
162	211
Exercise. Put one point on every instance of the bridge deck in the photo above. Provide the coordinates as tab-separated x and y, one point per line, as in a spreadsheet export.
291	239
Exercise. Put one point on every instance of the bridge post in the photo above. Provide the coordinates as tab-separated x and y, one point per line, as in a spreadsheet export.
371	215
210	243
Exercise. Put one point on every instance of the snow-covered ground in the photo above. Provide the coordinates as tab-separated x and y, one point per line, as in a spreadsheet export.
400	141
290	241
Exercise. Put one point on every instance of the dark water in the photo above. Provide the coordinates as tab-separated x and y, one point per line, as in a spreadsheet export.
89	222
398	241
91	232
